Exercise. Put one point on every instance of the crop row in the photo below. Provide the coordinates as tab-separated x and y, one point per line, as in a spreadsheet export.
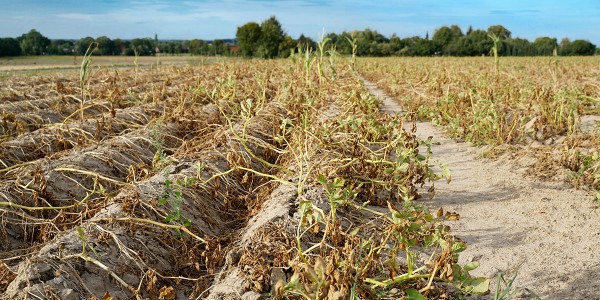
281	176
552	105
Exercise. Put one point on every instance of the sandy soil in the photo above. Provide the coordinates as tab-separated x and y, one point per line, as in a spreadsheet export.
509	220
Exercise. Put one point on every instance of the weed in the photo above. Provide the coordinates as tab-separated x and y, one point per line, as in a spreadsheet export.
83	74
505	289
173	196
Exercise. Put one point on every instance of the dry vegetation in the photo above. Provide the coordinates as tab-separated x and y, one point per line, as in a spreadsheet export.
278	178
275	178
548	108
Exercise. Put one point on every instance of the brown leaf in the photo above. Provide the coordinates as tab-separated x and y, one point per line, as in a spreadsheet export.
167	293
106	296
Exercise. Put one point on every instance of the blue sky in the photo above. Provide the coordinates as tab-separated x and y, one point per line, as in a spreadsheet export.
210	19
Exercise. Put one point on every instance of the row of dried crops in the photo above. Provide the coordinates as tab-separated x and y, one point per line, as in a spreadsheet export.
279	178
546	107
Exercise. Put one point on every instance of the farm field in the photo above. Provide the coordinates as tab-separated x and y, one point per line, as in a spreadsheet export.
282	178
25	64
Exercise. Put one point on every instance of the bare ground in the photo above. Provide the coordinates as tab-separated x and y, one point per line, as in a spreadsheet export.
548	230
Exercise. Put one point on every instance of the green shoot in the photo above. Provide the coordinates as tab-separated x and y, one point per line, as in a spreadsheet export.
83	74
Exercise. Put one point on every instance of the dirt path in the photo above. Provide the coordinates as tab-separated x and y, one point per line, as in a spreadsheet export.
507	219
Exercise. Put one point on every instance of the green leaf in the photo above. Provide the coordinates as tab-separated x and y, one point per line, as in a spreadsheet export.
322	179
81	233
168	218
476	285
162	201
471	266
403	167
459	247
414	295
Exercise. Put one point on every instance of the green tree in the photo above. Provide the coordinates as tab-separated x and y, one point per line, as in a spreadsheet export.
340	42
271	36
105	46
578	47
544	46
424	47
219	47
565	47
518	47
248	38
308	43
444	38
83	44
33	43
287	46
9	47
143	46
499	31
121	46
61	47
474	44
197	47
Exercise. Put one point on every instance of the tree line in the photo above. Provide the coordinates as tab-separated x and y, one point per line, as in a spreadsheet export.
34	43
269	40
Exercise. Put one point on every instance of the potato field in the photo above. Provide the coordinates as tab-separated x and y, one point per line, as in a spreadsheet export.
268	179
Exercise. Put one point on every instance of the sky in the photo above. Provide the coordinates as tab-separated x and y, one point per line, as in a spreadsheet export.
219	19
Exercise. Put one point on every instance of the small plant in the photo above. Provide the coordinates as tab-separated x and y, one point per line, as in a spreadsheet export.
83	73
352	41
173	196
159	161
555	65
505	289
494	51
84	241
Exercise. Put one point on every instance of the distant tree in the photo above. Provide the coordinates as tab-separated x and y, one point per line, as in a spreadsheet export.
61	47
197	47
105	46
578	48
424	47
176	48
368	42
144	46
271	36
83	44
340	42
474	44
518	47
308	43
444	38
156	48
544	46
219	47
408	46
33	43
287	45
9	47
499	31
121	46
248	38
396	44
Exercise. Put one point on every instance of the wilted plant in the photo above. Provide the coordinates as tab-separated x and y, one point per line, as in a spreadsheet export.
83	73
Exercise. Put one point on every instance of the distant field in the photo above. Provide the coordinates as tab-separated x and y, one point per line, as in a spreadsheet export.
29	63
